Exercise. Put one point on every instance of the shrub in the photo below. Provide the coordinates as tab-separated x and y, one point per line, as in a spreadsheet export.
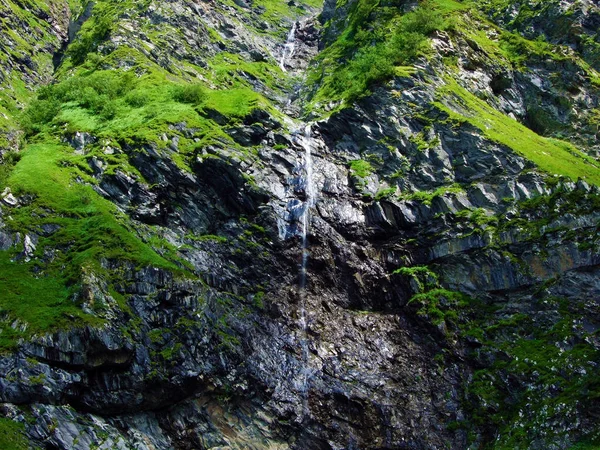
361	168
97	30
137	99
189	93
39	113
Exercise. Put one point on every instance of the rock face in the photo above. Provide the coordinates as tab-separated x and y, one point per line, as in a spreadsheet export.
384	275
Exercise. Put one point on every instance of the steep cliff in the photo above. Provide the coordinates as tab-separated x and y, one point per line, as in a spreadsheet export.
263	224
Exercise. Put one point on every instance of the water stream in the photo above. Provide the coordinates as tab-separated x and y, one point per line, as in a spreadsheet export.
304	138
288	47
306	142
309	192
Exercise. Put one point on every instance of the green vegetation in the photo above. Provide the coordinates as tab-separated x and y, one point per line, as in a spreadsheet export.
434	303
85	219
230	69
376	44
7	163
529	378
28	36
550	155
12	435
194	94
426	197
550	26
236	103
478	216
361	168
127	102
88	229
275	11
48	306
385	193
551	373
370	49
421	141
208	238
116	105
423	277
98	27
439	305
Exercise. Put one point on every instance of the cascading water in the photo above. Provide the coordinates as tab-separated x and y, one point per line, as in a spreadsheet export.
288	47
308	201
306	142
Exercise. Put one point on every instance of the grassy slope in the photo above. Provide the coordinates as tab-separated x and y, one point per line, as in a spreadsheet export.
12	435
126	109
379	42
26	38
550	155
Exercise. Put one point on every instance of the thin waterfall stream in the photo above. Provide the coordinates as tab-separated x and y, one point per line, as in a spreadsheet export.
303	136
288	47
309	200
306	141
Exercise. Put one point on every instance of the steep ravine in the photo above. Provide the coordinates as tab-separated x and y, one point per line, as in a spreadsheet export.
208	243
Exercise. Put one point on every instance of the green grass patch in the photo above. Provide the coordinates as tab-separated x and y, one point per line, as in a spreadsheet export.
236	103
533	377
375	42
88	229
230	69
89	225
12	435
426	197
361	168
439	305
550	155
40	302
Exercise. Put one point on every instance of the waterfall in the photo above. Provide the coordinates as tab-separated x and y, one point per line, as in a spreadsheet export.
306	142
288	47
309	201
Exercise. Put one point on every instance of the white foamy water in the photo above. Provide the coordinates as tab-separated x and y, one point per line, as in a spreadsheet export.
288	47
306	142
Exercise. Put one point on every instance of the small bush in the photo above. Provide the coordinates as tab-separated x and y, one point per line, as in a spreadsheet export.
361	168
190	93
39	113
92	34
97	93
137	99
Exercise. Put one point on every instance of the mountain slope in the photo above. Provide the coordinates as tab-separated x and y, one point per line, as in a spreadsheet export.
380	233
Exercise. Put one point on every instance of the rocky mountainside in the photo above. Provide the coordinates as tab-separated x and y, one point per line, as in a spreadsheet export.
258	224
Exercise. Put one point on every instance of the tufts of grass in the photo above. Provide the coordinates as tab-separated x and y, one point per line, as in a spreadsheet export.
439	305
40	302
377	41
361	168
426	197
236	103
12	436
90	226
550	155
